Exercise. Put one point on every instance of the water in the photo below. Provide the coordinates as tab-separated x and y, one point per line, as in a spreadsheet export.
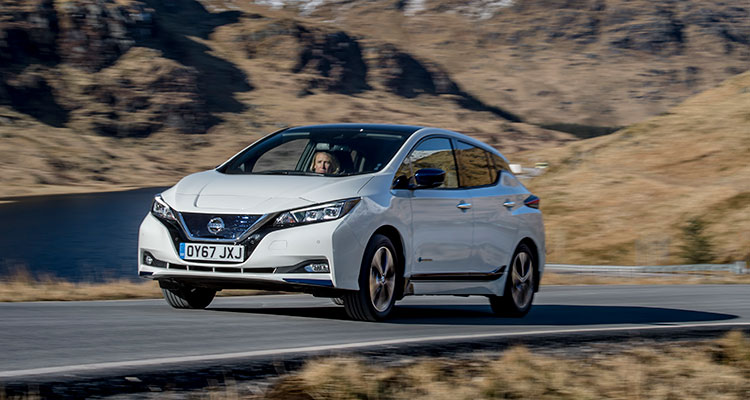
82	237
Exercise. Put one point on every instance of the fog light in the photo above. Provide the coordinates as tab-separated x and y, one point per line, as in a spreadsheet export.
317	268
152	261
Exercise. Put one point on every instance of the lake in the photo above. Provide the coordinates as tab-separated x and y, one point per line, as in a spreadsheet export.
78	237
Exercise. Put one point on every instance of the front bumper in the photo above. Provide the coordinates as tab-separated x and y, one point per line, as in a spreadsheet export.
268	264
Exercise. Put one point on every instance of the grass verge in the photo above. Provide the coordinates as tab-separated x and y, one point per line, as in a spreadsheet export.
677	278
22	286
718	369
711	369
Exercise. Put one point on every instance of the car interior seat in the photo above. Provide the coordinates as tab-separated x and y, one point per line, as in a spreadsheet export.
346	165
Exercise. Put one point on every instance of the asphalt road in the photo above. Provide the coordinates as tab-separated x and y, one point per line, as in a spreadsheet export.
59	338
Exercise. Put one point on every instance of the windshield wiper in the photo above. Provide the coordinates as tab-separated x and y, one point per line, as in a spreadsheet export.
307	173
288	172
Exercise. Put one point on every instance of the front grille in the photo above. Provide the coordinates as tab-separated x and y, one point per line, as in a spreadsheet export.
234	225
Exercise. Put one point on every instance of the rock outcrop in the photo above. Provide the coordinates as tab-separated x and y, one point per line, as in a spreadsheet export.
126	96
334	60
135	99
408	77
28	33
95	33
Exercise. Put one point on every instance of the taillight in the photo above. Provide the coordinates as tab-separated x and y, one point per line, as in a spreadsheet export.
532	201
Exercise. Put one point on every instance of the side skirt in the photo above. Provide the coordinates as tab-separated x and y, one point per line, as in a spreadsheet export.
482	284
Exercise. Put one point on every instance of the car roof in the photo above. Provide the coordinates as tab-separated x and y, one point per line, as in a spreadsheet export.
402	129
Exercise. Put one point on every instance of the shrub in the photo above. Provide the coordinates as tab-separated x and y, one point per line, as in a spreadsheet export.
696	247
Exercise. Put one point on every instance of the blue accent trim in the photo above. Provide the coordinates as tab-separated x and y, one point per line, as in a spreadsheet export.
182	251
317	282
144	273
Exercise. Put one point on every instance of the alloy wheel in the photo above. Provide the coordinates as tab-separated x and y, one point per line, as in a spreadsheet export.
522	288
382	279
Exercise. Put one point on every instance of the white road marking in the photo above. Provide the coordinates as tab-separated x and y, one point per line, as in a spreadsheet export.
346	346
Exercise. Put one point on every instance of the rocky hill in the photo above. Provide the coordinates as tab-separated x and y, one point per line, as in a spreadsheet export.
594	62
102	94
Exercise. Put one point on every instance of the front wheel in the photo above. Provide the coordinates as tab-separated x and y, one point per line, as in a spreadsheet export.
378	280
519	286
188	297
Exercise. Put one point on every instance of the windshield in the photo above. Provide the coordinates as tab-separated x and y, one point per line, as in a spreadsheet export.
319	152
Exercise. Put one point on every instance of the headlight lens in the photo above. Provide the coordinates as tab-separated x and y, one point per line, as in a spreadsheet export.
160	209
321	213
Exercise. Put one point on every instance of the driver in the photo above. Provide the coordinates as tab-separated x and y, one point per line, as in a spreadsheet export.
325	163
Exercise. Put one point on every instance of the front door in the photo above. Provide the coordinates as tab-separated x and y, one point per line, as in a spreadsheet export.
442	222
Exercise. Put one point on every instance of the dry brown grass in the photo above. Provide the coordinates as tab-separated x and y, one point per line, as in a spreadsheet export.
682	278
22	286
622	198
710	370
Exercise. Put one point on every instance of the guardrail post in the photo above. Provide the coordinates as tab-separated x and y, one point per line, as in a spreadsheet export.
740	267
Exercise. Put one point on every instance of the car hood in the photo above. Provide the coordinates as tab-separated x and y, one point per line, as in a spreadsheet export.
211	191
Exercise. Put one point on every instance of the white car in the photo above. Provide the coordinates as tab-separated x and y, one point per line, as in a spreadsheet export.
363	213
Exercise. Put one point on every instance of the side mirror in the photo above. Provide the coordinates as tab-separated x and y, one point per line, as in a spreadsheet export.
428	178
401	182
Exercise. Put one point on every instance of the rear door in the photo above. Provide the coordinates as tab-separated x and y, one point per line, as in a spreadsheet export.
493	200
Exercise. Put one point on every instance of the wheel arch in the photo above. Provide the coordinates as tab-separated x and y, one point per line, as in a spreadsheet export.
534	253
396	238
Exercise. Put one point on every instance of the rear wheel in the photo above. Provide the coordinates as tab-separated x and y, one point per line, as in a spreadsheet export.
519	286
188	297
378	279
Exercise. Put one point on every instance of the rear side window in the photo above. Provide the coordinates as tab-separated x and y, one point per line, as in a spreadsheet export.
475	166
500	165
434	153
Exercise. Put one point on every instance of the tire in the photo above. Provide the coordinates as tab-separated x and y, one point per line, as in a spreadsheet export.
188	297
379	278
519	286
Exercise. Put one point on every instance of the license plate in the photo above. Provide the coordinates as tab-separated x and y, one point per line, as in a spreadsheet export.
211	252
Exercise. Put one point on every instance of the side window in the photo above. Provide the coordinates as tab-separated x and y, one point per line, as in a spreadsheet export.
404	171
283	157
494	172
500	164
435	153
474	166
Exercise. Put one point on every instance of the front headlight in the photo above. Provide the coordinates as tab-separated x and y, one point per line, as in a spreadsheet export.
161	209
319	213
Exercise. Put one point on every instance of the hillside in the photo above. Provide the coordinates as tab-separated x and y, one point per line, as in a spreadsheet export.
591	62
623	198
99	95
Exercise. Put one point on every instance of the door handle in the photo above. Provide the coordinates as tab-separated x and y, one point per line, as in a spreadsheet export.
509	203
464	206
